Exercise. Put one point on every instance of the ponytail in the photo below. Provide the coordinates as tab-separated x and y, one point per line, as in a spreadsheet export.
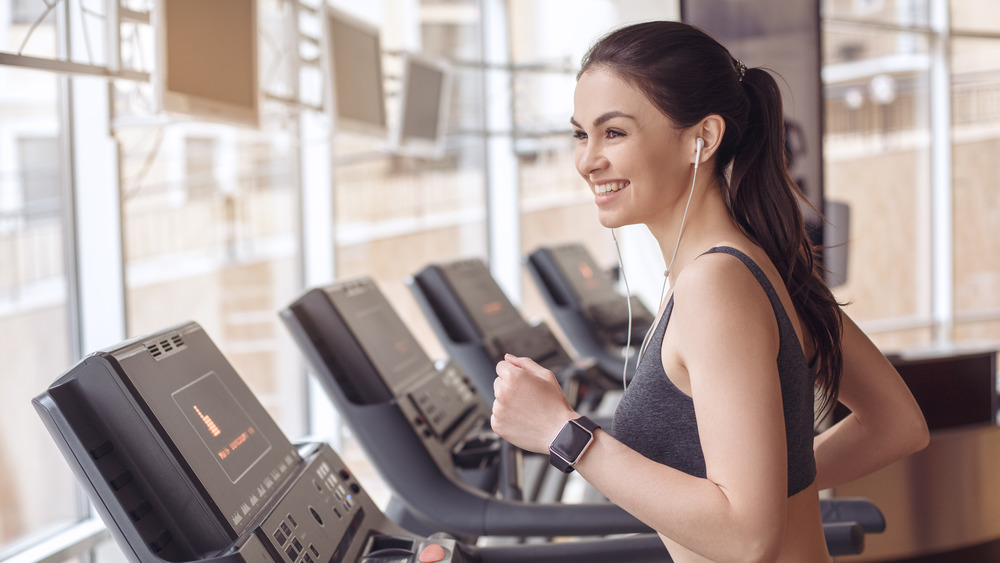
765	202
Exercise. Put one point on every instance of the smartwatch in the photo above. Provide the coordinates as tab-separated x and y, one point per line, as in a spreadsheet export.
573	439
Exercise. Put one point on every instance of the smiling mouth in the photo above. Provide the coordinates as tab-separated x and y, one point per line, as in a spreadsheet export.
610	187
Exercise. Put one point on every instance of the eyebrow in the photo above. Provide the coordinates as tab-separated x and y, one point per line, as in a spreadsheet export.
603	118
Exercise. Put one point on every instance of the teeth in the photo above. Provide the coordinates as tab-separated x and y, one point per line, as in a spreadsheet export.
609	187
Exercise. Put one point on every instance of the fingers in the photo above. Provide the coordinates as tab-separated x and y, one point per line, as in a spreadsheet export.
521	362
526	364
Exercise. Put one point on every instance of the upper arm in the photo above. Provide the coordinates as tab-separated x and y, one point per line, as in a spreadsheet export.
726	336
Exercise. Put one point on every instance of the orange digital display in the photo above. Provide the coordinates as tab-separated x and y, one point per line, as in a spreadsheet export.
590	282
241	439
209	423
222	424
493	307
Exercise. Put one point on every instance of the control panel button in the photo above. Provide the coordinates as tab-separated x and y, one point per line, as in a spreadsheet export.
432	554
280	537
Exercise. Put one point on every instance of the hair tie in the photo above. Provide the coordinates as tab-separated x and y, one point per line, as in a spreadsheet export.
741	69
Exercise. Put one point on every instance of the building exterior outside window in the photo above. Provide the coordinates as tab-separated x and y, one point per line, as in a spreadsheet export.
215	224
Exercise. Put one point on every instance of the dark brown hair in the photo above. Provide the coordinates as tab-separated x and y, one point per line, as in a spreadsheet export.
688	75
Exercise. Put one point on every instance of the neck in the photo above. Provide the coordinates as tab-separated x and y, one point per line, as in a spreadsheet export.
707	224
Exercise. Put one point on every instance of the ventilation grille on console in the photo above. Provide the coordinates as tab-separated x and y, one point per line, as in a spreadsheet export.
163	348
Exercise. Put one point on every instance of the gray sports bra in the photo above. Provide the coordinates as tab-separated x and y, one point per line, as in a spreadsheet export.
657	419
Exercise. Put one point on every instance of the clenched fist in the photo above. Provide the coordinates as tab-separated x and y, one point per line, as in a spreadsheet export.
530	406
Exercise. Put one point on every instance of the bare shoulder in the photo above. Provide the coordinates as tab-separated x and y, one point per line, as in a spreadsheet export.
719	277
718	297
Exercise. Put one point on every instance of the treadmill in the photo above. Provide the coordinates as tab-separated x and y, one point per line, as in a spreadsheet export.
183	463
354	340
589	310
426	428
477	324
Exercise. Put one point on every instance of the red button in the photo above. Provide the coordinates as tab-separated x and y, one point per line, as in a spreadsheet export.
432	554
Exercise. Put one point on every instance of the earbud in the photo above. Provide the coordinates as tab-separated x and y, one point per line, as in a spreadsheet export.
697	152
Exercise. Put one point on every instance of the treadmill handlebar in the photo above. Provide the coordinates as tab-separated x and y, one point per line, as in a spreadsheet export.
844	538
505	518
640	548
853	509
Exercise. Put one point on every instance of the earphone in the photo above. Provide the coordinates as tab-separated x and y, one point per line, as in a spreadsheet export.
699	144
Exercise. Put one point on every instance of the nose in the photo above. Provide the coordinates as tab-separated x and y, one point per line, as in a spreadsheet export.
590	159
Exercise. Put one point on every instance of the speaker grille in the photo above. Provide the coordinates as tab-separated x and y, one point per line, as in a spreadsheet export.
165	347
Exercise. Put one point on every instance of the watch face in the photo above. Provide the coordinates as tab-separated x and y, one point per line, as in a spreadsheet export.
571	442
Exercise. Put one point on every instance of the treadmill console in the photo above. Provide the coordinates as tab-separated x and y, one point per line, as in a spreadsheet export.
356	340
471	307
572	279
184	464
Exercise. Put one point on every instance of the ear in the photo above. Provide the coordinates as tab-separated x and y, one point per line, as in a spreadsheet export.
710	129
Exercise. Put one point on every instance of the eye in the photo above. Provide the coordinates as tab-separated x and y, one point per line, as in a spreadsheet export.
579	135
613	134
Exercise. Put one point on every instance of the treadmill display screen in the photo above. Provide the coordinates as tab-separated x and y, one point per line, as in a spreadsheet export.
227	431
231	447
582	273
482	297
387	342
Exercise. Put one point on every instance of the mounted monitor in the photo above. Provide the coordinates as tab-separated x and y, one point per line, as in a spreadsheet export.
206	66
423	106
352	68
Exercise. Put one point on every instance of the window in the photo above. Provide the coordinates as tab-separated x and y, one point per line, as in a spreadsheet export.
975	91
40	182
37	491
27	11
211	214
210	234
876	160
199	167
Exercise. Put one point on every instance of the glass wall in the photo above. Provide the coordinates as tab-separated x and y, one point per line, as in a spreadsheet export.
975	91
37	492
879	156
215	218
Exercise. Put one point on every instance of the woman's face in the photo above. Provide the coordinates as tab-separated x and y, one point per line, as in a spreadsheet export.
628	151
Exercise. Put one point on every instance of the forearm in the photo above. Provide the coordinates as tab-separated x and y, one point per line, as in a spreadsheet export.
852	449
885	422
680	506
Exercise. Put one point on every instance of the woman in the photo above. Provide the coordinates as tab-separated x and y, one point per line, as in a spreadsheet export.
712	444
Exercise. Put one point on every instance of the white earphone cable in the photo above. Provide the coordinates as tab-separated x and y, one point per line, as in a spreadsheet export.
627	352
